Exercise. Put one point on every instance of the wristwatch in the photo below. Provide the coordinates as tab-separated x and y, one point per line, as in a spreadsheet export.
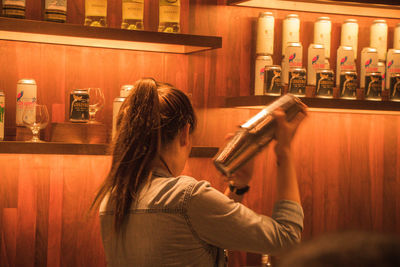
238	191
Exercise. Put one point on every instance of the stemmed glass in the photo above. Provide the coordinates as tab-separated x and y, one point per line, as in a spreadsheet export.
96	102
35	117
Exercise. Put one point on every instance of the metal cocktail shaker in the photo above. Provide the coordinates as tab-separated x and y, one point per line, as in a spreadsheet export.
254	135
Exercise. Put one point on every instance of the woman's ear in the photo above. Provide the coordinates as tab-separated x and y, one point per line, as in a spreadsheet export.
184	135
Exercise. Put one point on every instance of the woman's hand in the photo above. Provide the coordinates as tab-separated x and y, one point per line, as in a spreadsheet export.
286	130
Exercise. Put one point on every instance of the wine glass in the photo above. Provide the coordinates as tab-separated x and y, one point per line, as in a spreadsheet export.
96	102
35	117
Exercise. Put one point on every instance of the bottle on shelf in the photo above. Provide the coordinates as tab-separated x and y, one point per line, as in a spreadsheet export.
132	14
55	10
26	95
96	13
322	35
14	8
169	16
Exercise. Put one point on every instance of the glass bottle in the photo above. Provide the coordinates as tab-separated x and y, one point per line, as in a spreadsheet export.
132	14
14	8
96	13
55	10
169	16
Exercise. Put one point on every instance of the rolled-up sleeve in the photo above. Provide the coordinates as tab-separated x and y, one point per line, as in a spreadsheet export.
218	220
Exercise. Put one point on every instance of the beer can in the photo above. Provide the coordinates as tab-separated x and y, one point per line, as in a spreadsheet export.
396	38
373	86
254	135
349	35
344	61
294	59
348	84
290	31
116	108
297	82
378	37
261	61
369	63
325	84
26	95
322	34
79	105
272	82
265	33
2	114
392	65
395	87
315	62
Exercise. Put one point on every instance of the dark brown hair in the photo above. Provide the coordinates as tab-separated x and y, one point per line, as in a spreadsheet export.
150	117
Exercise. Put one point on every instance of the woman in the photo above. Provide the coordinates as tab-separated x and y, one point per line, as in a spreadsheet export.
152	216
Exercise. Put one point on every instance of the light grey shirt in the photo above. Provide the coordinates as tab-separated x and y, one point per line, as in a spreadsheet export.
179	221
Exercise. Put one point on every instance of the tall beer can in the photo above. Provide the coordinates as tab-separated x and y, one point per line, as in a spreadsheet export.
254	135
349	35
315	62
265	33
294	59
344	61
382	70
261	61
369	63
396	38
322	34
26	95
118	101
392	65
290	31
378	37
2	114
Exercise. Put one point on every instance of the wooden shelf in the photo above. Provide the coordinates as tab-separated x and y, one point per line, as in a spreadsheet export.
325	103
376	8
17	147
79	35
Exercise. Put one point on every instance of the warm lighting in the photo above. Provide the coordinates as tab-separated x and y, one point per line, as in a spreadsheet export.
326	6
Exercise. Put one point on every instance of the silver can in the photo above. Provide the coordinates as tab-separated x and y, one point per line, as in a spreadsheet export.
2	114
116	108
254	135
26	95
396	38
315	61
265	33
290	31
272	81
293	59
394	87
392	65
322	34
261	62
325	83
344	61
369	63
378	37
349	35
297	81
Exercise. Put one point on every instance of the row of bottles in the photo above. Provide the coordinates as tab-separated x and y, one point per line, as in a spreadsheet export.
96	13
376	60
